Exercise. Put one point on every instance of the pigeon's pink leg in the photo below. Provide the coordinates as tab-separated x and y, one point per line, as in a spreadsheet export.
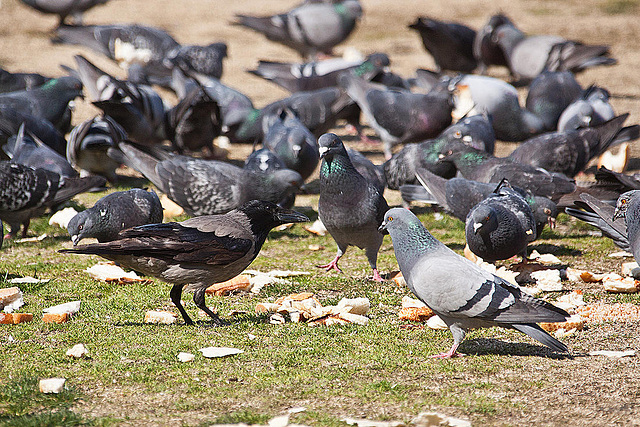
376	276
333	265
449	354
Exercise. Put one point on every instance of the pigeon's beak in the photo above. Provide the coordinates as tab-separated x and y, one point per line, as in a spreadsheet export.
552	222
383	228
323	151
75	239
476	226
617	214
287	216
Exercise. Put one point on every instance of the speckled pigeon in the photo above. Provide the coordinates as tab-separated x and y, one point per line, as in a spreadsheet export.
350	207
461	293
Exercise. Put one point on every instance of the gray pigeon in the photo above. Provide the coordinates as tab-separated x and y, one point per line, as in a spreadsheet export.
115	212
11	120
528	56
350	207
49	101
64	8
475	130
319	74
198	252
500	226
485	46
498	99
27	192
399	116
365	167
450	43
263	161
11	82
461	293
28	150
207	187
569	152
89	143
590	109
137	108
310	28
550	93
292	142
206	60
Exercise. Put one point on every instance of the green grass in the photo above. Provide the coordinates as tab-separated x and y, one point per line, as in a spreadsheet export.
379	371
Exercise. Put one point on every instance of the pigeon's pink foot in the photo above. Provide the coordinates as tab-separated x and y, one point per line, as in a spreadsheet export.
376	276
449	354
333	265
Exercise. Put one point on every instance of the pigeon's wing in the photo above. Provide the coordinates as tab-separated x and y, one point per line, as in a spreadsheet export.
540	181
173	242
601	216
435	185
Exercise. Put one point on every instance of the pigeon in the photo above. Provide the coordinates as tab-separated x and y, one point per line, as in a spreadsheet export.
399	116
28	150
350	207
293	143
11	120
590	109
401	168
484	167
528	56
115	212
500	226
207	187
458	196
461	293
27	192
550	93
309	29
193	123
620	224
89	143
476	131
127	44
485	46
569	152
11	82
450	43
198	252
64	8
206	60
263	161
137	108
319	74
498	99
365	167
49	101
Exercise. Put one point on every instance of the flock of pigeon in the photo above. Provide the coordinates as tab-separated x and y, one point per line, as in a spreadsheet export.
505	202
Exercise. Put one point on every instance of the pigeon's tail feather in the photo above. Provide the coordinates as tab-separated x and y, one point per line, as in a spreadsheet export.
416	193
434	184
263	25
79	35
608	132
627	133
138	160
540	335
72	186
618	236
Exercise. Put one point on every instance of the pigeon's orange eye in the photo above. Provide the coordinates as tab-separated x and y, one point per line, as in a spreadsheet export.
458	134
80	227
390	219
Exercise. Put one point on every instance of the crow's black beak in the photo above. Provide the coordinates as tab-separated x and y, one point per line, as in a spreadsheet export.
288	216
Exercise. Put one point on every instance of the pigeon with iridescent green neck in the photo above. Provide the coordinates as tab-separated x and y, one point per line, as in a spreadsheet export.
461	293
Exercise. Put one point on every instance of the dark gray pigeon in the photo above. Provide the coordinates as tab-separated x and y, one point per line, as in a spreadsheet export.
500	226
198	252
350	207
115	212
476	131
399	116
11	120
620	224
461	293
292	142
27	192
137	108
459	195
263	161
310	28
49	101
64	8
550	93
193	123
365	167
207	187
319	74
590	109
89	143
11	82
569	152
528	56
206	60
483	167
498	99
485	46
28	150
450	43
